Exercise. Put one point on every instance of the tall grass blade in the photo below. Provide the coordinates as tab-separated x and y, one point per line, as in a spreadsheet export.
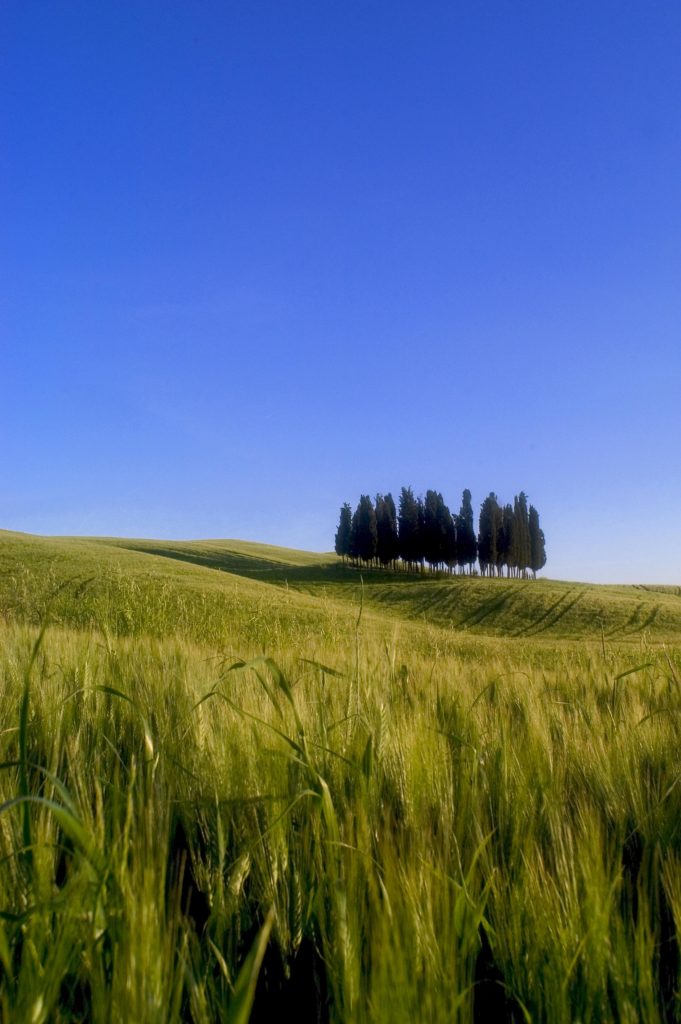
241	1003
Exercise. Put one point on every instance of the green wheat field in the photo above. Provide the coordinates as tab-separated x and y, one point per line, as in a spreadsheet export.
240	782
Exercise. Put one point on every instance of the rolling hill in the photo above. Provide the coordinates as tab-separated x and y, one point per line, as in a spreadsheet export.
214	590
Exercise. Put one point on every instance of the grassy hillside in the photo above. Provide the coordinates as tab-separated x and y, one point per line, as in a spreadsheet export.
86	583
232	591
496	607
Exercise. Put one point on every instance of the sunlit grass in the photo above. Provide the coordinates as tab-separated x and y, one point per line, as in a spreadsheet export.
259	597
335	816
422	840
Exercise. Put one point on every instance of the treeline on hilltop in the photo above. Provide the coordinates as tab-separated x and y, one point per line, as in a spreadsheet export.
424	530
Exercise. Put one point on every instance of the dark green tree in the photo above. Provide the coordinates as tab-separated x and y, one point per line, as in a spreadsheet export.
430	538
392	519
408	525
387	548
354	535
364	535
488	526
506	541
342	545
446	531
437	521
521	523
467	545
421	535
452	544
537	543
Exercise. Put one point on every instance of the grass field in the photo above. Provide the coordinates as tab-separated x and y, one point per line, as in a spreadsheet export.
238	782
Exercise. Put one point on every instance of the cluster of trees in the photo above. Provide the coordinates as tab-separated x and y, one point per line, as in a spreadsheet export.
424	530
510	537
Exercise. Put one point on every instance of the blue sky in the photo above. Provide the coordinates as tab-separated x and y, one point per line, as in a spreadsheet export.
259	258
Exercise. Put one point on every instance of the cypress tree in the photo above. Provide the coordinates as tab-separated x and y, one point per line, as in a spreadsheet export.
537	543
354	535
381	519
391	535
507	540
498	527
408	522
488	524
452	544
445	522
504	539
366	533
484	542
386	526
431	546
421	532
467	546
522	532
342	545
437	522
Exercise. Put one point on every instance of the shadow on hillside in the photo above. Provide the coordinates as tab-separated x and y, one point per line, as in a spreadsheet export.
269	571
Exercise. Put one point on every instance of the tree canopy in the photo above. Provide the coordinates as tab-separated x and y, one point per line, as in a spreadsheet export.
423	530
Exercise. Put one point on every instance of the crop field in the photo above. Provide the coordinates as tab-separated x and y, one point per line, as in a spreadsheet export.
239	782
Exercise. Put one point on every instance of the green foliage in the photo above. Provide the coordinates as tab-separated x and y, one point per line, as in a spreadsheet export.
488	534
507	539
387	541
343	533
410	527
537	542
467	545
425	530
364	532
521	534
437	531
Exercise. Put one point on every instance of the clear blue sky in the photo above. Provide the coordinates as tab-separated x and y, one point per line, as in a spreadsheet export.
258	258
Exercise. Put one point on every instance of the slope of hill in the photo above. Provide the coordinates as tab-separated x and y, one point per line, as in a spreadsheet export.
212	590
86	583
497	607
